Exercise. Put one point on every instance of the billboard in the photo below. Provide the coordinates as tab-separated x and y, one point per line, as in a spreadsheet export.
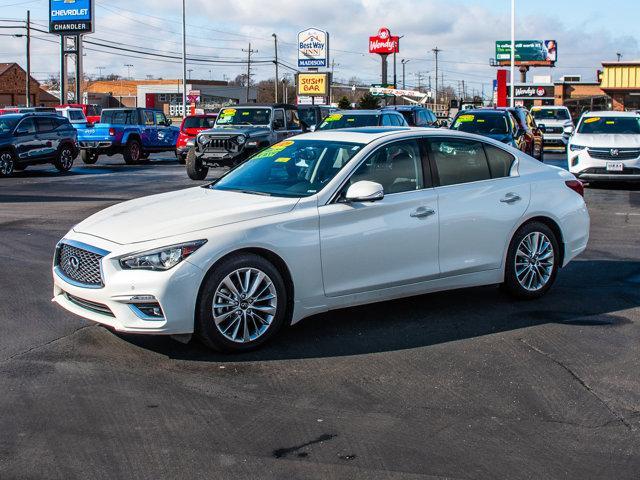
313	48
313	84
542	53
71	17
384	43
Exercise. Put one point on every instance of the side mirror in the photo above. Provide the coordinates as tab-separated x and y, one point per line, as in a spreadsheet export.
312	128
364	191
168	122
542	128
568	131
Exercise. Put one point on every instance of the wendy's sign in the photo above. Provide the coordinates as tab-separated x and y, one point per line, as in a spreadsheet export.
384	43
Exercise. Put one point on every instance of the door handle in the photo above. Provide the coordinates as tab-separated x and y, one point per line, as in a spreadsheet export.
511	198
422	212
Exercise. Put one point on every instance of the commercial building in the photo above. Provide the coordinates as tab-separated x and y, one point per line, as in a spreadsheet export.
13	85
166	94
621	81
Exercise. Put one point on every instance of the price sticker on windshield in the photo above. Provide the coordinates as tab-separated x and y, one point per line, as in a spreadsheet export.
592	120
466	118
282	159
333	118
229	111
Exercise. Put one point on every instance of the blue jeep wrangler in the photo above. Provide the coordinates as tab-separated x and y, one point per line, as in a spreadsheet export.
133	132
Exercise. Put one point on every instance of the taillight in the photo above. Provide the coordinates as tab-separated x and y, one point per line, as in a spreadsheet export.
576	186
112	132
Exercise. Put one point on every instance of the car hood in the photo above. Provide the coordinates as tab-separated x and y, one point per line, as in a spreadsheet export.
248	131
177	213
606	141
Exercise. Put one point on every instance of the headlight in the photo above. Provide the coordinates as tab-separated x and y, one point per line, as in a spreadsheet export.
241	139
190	142
161	258
576	148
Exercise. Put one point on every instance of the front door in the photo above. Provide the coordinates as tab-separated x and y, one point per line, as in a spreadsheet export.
149	131
480	201
374	245
28	143
47	136
279	125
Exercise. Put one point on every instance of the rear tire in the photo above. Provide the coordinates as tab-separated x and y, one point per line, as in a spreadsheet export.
64	162
88	158
532	262
242	304
195	169
132	152
7	164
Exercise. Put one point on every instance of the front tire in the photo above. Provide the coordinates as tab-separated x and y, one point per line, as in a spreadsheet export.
64	162
533	260
88	158
132	152
242	304
195	169
7	164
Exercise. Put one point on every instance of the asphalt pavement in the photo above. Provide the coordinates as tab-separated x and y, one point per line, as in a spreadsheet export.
464	385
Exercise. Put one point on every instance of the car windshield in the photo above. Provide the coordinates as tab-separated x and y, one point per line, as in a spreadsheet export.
481	123
244	116
7	124
610	125
199	122
550	114
119	117
292	168
348	120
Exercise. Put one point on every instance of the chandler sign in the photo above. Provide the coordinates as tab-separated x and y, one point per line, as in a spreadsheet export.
384	43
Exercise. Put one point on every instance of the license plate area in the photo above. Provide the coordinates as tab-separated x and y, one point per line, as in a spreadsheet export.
615	166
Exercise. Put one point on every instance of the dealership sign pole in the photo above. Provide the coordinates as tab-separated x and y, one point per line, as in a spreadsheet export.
71	20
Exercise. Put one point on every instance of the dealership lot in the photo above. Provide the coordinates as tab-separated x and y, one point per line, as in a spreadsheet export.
465	384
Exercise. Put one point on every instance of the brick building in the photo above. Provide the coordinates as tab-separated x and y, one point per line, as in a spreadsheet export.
621	81
579	96
13	81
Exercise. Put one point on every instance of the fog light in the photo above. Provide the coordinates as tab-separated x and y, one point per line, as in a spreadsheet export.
147	311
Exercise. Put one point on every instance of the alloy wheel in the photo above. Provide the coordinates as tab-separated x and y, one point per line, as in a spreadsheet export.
534	261
244	305
66	159
135	152
6	163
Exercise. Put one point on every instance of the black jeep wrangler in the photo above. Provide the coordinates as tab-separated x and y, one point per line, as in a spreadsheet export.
239	132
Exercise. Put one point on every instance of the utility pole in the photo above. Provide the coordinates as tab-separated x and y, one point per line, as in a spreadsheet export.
333	67
464	91
436	51
128	65
28	85
275	84
249	52
100	69
404	63
513	52
184	59
189	70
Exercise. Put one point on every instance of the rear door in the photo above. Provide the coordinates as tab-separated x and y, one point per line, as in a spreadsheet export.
481	198
279	124
149	131
294	127
47	136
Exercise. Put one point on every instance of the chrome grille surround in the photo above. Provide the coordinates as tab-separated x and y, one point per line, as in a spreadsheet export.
79	264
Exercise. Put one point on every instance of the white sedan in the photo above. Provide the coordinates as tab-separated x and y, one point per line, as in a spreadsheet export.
323	221
606	147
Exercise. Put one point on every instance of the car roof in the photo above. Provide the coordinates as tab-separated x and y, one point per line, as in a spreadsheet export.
263	105
549	107
405	107
358	112
612	114
489	111
369	134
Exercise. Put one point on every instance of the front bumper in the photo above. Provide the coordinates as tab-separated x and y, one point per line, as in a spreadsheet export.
117	304
557	140
587	168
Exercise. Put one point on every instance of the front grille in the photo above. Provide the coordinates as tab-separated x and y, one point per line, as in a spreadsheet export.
89	305
219	143
80	265
554	130
609	153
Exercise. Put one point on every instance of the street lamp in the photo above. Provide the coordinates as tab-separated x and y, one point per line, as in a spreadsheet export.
129	67
404	62
513	51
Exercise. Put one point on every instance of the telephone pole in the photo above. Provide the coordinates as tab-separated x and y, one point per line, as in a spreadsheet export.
249	52
184	59
28	86
436	51
275	41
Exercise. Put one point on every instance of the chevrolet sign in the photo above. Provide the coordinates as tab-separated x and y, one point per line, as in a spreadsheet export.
71	17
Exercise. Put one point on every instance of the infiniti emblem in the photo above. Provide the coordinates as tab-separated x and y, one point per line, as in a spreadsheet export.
74	263
614	152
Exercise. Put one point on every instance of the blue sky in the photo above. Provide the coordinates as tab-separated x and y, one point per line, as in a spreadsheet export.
465	30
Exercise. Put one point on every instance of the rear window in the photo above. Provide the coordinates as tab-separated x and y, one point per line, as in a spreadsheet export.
481	123
119	117
76	115
199	122
610	125
346	120
550	113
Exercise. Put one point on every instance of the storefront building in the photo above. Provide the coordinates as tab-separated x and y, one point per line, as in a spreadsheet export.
533	95
621	81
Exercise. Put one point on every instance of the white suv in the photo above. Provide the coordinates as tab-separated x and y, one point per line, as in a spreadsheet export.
606	147
556	124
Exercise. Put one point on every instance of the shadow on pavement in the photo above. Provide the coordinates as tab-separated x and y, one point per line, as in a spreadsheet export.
588	293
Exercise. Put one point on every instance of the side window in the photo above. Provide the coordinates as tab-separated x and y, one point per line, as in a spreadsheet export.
278	119
459	161
147	118
45	125
293	122
160	118
386	120
397	167
500	162
424	118
27	126
398	120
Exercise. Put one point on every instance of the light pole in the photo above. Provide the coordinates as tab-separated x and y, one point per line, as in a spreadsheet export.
404	62
275	41
190	70
28	86
129	67
184	59
513	51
